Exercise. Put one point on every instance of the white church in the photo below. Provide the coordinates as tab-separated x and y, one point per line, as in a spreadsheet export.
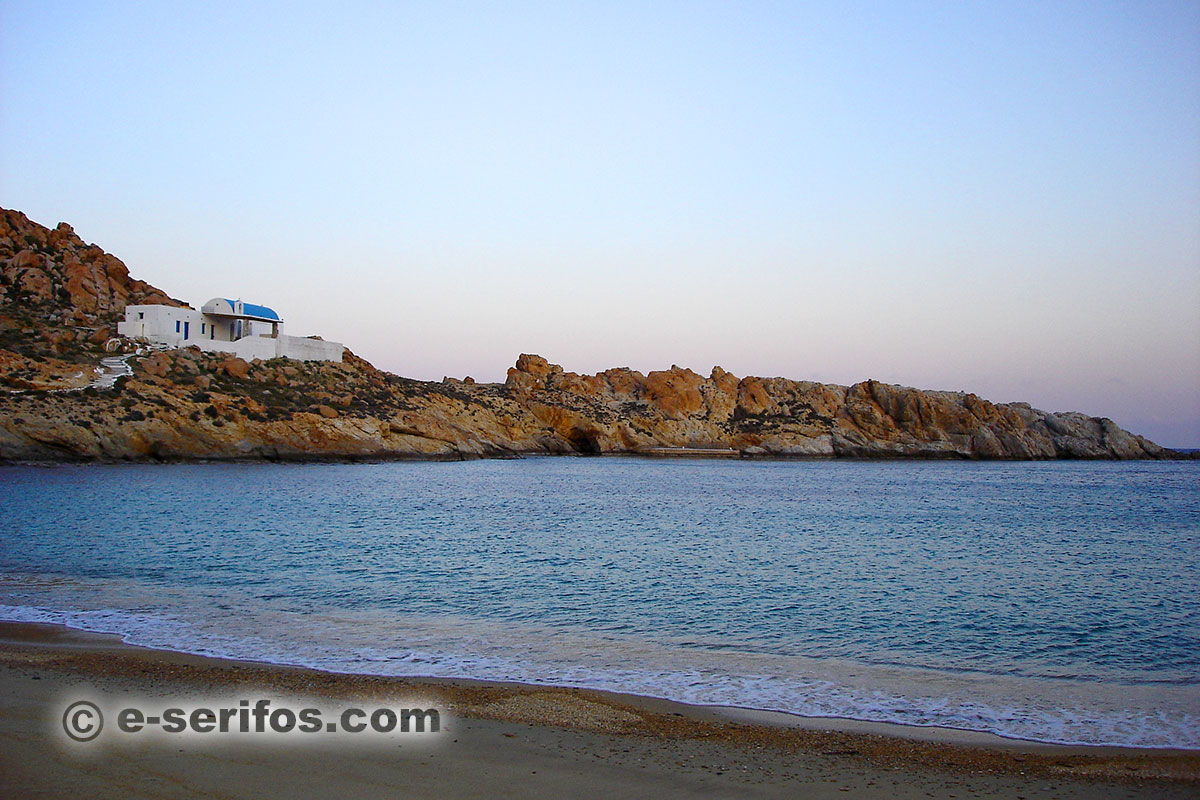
247	330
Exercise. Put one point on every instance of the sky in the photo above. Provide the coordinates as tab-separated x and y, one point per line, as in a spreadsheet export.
1001	198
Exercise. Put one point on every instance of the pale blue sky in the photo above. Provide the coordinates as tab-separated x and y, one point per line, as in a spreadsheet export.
998	197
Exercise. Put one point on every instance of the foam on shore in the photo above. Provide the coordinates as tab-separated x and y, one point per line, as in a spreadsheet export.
389	644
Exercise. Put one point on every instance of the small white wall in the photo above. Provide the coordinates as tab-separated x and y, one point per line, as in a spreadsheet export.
305	349
251	347
266	347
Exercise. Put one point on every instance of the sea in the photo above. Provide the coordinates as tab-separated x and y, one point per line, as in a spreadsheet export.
1046	601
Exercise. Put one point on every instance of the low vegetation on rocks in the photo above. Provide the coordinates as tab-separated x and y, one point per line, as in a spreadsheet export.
60	300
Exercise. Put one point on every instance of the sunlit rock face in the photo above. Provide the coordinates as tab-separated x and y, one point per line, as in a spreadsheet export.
60	299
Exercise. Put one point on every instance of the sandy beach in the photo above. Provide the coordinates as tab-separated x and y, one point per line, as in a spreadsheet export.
506	740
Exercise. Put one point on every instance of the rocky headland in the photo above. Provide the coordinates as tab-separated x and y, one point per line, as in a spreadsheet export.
60	300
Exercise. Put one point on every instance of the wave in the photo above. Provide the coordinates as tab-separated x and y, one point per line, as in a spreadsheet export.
385	643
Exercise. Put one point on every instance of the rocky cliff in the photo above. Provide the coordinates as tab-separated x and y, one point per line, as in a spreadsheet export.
60	301
61	298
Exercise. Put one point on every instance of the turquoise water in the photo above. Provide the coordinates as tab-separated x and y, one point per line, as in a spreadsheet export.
1053	601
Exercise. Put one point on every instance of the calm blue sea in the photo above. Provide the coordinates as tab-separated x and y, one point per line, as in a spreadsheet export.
1051	601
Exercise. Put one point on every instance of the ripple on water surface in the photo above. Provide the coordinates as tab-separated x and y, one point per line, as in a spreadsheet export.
1052	601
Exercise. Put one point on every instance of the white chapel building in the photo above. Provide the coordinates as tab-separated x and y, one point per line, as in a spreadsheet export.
247	330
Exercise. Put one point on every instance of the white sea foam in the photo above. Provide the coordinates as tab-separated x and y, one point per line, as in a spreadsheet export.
386	643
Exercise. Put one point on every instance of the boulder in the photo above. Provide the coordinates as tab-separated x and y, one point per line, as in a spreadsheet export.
234	367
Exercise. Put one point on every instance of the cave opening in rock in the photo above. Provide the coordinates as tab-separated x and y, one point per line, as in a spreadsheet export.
582	441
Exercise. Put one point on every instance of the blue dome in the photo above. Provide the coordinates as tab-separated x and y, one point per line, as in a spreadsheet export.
252	310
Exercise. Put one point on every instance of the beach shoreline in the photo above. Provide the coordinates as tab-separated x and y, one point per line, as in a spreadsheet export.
651	454
775	752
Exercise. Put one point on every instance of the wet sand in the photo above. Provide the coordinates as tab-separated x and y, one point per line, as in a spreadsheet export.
505	740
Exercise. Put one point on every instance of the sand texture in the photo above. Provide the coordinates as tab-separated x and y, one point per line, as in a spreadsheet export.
502	740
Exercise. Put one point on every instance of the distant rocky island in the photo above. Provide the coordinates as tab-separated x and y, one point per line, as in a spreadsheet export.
61	300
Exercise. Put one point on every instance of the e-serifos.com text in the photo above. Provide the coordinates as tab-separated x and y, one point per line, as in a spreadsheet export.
84	720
